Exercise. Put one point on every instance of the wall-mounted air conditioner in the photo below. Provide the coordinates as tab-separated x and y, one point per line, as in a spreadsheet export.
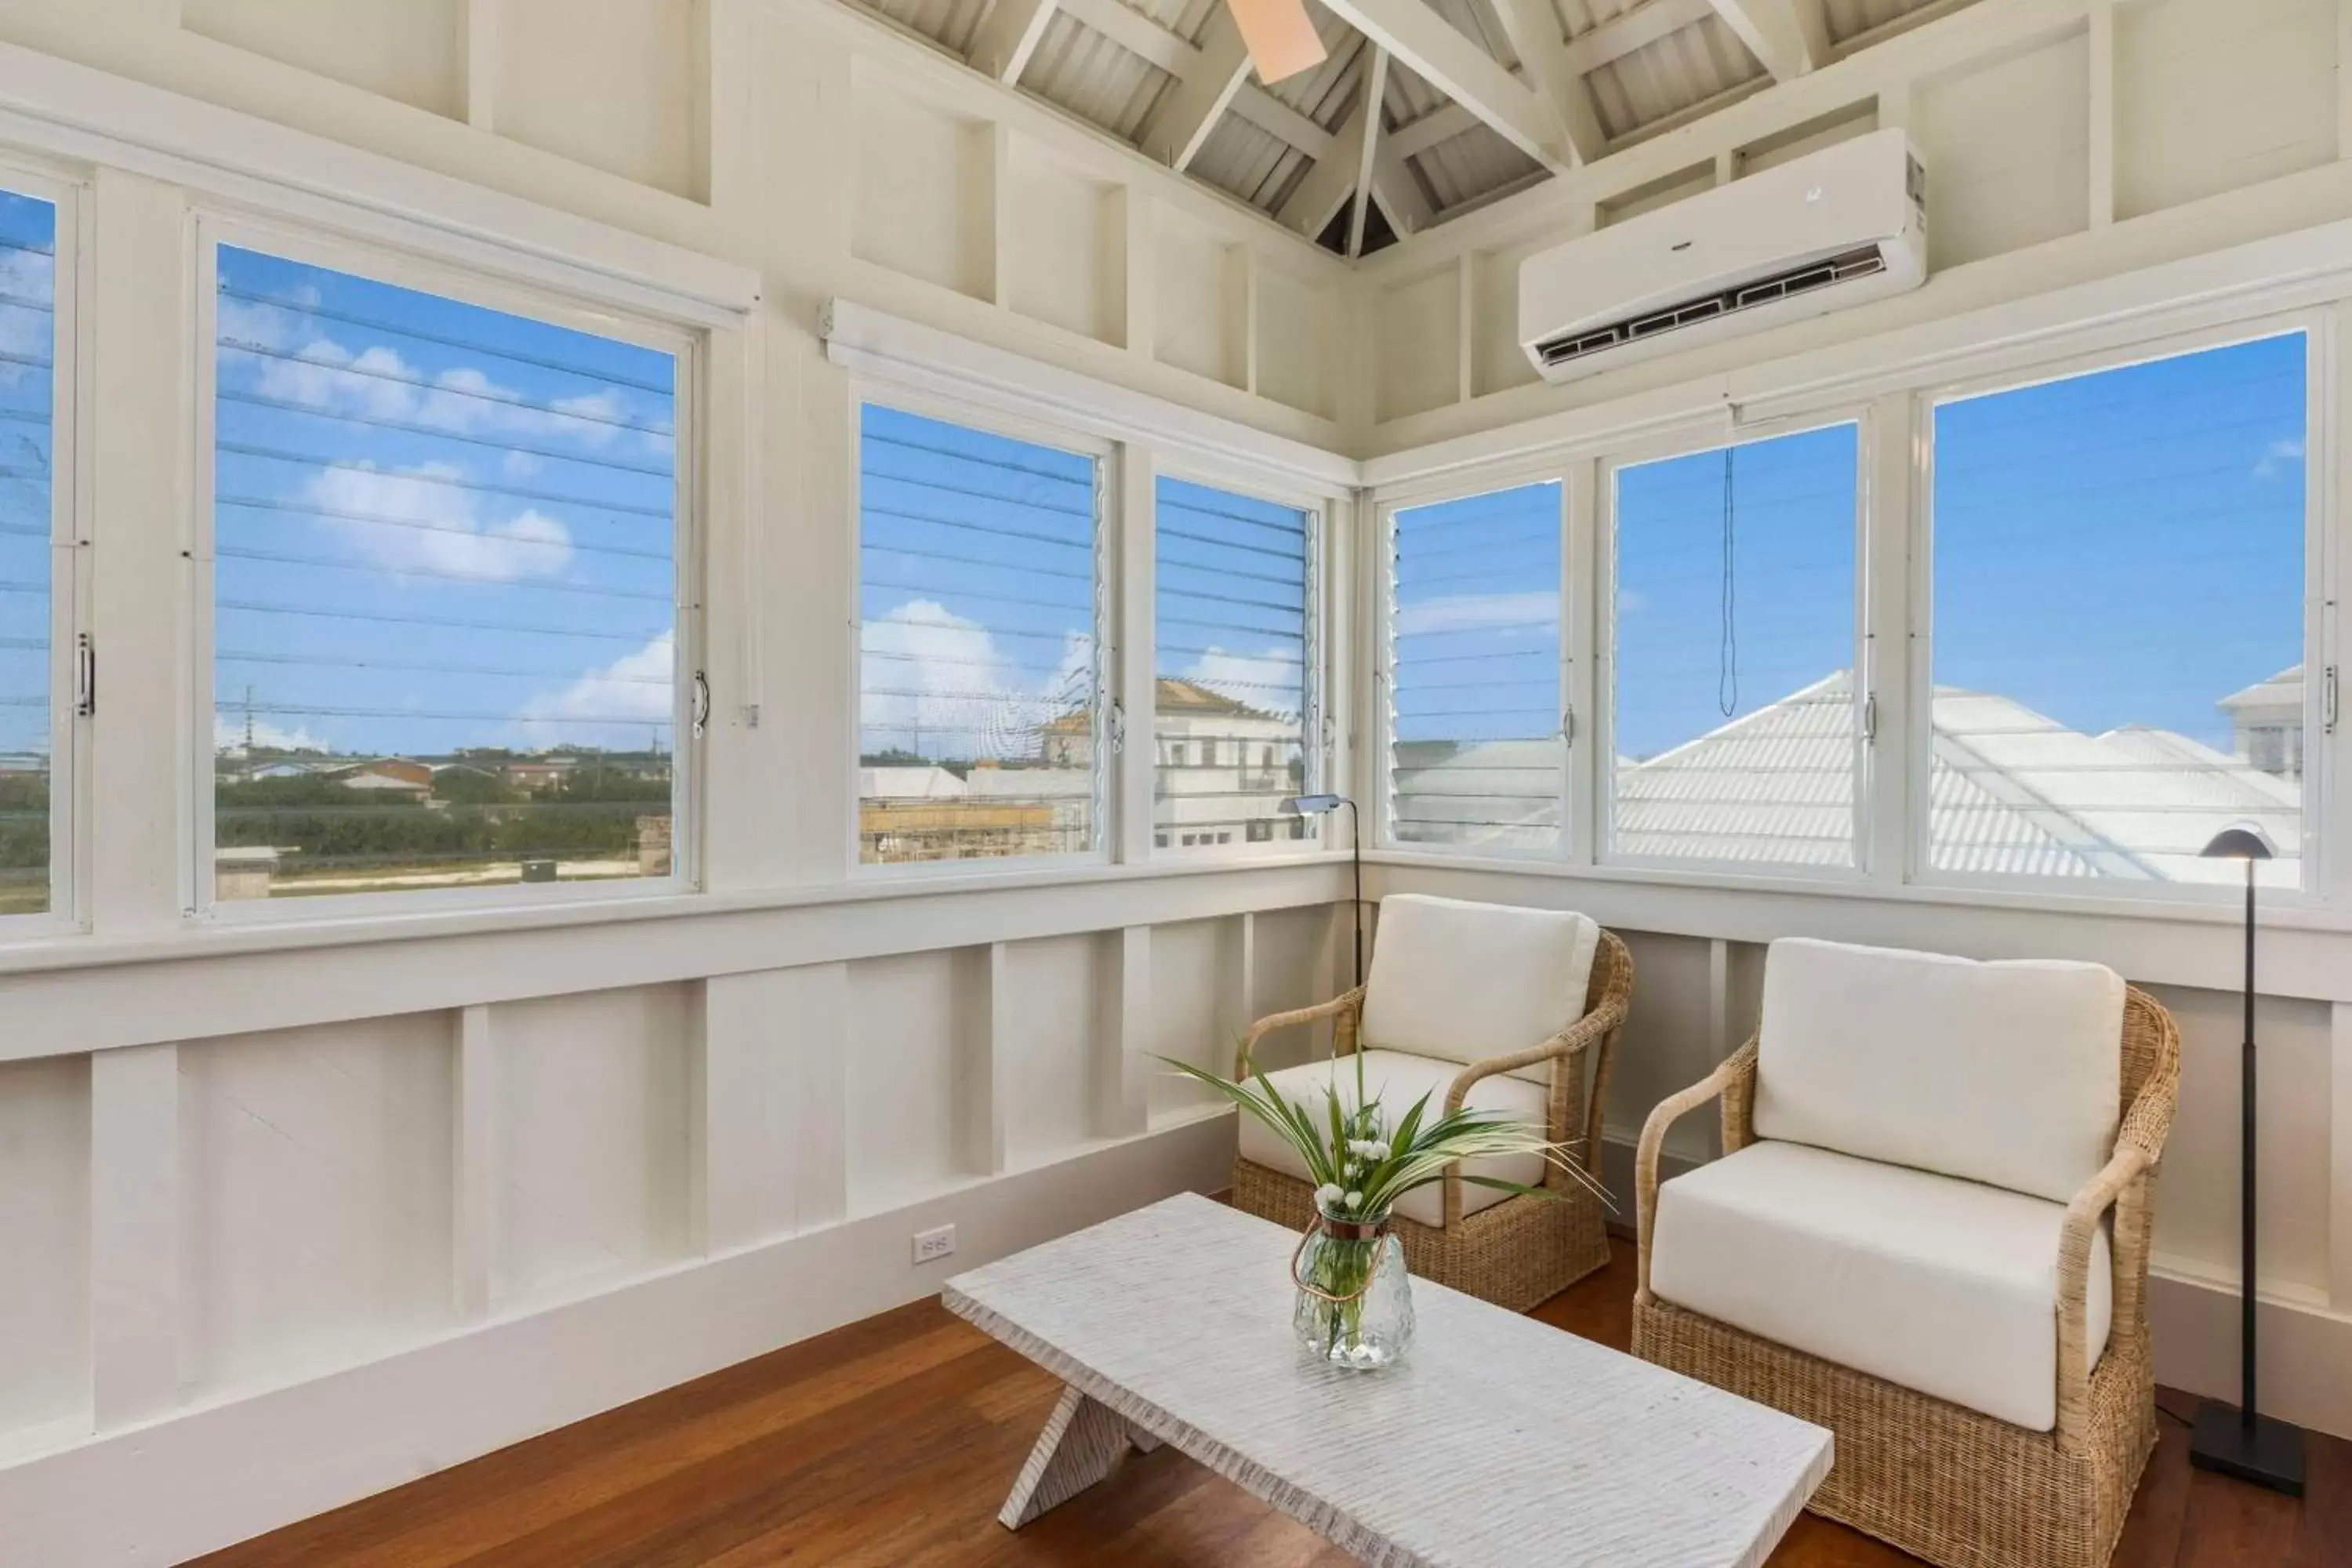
1821	232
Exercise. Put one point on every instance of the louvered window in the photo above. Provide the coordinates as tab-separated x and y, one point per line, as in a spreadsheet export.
2119	621
982	730
35	586
1477	754
1736	720
445	569
1233	585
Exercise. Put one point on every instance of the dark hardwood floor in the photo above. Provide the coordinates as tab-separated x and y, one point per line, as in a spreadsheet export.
893	1442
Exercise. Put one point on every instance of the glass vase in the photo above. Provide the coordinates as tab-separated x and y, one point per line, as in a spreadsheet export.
1355	1300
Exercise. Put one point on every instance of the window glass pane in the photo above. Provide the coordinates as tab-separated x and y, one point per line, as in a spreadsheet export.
1229	726
980	725
2119	620
1477	757
446	589
1735	708
28	715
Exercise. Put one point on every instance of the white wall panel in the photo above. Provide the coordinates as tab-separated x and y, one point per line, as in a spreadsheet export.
1066	246
590	1153
1199	302
315	1198
1302	351
1668	1042
614	84
45	1241
1420	344
411	50
1302	958
906	1031
1049	1066
1195	976
922	204
2197	1205
2214	94
2007	148
1497	360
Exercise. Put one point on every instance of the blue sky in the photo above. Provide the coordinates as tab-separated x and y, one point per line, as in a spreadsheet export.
436	525
27	268
2124	548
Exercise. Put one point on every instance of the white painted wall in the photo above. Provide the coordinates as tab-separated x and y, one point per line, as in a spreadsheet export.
498	1172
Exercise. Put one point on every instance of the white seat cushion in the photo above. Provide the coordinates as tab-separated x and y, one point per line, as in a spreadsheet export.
2006	1073
1943	1285
1395	1080
1466	982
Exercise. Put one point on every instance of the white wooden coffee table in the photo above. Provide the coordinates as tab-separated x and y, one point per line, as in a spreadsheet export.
1501	1440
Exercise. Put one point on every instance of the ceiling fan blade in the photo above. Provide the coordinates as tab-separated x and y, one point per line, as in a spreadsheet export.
1280	35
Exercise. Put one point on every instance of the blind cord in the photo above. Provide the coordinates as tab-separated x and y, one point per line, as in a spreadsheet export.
1726	676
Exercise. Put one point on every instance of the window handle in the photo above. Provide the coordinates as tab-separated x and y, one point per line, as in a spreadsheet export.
702	703
1870	719
2327	703
1118	725
85	675
1568	725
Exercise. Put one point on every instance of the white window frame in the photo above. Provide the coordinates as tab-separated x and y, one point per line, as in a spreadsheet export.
219	224
1561	468
1602	781
70	519
2318	327
1315	648
1109	751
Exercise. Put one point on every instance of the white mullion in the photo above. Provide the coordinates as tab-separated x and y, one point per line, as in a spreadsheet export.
69	585
1918	740
2327	780
1602	665
1581	585
1886	502
1131	583
1377	738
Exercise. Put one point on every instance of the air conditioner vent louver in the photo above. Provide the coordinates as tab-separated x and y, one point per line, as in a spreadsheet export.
1863	261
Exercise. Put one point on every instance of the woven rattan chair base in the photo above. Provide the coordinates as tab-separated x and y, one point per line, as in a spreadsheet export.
1944	1483
1521	1251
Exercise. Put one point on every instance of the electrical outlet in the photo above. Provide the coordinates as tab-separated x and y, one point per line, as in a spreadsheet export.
931	1246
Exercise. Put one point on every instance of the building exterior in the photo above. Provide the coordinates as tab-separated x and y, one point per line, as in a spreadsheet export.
2268	719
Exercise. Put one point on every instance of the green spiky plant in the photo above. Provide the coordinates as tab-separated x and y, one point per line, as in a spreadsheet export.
1361	1164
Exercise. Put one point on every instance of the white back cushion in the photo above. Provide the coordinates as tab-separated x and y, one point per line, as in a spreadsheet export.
1465	980
2005	1073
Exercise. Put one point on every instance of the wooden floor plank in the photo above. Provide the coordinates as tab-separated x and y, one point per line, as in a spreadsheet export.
891	1444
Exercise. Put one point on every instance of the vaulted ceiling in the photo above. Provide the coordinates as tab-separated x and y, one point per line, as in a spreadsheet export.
1476	99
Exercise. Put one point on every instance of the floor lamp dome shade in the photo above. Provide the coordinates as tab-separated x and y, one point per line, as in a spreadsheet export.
1280	36
2240	841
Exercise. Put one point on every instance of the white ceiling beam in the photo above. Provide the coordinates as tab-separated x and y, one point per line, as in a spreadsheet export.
1133	31
1398	193
1320	195
1533	27
1638	28
1376	83
1009	36
1190	109
1278	120
1425	42
1773	34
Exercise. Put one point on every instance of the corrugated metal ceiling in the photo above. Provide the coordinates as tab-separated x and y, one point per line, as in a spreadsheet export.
1693	59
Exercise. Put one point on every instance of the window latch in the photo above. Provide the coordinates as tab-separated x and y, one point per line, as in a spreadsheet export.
1870	719
2327	700
85	675
1117	726
702	703
1568	725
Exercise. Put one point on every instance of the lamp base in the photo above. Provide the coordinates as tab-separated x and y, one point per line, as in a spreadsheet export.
2268	1453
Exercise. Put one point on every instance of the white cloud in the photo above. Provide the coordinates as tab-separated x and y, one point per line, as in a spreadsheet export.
1479	612
228	730
2277	455
937	683
449	539
617	706
1268	682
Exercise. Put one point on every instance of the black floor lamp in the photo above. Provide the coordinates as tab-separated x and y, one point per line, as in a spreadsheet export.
2240	1441
1317	805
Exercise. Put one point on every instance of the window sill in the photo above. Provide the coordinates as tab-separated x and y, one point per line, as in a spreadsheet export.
202	938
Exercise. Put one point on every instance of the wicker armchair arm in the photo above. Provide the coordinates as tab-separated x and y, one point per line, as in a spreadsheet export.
1339	1006
1724	1080
2123	1176
1566	1047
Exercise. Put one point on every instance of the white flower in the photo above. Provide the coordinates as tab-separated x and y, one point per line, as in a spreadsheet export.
1376	1151
1353	1200
1328	1194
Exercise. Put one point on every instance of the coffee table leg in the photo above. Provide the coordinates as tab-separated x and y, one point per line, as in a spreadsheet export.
1082	1440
